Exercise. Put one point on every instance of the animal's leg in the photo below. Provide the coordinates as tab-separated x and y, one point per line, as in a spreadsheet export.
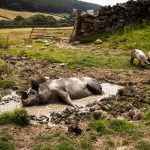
131	60
65	97
95	88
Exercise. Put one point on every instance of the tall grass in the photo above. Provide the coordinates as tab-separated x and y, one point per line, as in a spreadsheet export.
17	117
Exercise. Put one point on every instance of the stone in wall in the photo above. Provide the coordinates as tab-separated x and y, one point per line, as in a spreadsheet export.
117	16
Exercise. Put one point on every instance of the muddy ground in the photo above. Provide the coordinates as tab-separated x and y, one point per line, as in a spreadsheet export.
130	103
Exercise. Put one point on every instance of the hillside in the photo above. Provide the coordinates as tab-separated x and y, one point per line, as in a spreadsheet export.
11	14
57	6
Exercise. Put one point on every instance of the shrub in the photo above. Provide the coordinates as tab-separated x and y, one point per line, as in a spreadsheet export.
17	117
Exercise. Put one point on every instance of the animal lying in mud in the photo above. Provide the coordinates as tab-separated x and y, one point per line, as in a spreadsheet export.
140	56
62	90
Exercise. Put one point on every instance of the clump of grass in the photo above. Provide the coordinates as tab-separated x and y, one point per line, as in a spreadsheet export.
17	117
122	127
47	136
64	142
85	144
4	42
146	118
5	84
113	126
125	142
143	145
4	68
5	143
101	126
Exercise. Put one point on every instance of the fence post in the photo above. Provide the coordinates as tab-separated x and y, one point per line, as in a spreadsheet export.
76	28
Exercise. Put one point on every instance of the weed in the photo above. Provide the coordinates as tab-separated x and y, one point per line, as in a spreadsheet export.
143	145
17	117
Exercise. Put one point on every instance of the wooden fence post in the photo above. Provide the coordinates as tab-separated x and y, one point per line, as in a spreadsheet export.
76	28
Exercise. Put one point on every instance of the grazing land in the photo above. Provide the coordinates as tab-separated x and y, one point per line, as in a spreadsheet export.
118	123
11	14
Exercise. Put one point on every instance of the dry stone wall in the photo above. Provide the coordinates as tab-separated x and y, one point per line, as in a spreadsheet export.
110	18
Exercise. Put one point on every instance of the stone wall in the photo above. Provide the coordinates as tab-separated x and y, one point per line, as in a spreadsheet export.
115	17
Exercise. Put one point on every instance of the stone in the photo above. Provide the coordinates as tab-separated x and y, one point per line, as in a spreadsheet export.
47	44
29	46
76	43
98	41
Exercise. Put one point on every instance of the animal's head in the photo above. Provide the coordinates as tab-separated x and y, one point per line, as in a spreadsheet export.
29	99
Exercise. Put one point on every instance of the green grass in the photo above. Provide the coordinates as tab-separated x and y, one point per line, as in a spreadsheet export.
122	127
4	42
115	55
17	117
101	126
64	142
5	84
143	145
116	126
146	118
136	36
5	143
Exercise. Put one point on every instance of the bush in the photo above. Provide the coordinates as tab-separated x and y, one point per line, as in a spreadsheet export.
17	117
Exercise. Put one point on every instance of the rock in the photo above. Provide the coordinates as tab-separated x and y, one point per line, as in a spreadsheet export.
76	43
98	41
47	44
137	116
75	129
29	46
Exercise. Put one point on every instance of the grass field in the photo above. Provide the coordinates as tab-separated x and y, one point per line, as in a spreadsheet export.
113	53
11	14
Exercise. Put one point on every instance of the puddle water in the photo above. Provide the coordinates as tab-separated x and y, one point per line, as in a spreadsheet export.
108	89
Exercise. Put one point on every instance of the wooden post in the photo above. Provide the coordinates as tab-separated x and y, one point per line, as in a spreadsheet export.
76	28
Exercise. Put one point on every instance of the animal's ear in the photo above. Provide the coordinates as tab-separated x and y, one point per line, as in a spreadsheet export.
34	85
23	94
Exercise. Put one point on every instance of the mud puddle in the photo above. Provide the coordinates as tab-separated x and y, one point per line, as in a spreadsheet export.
108	89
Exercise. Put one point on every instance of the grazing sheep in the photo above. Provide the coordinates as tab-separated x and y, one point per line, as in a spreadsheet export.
138	54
